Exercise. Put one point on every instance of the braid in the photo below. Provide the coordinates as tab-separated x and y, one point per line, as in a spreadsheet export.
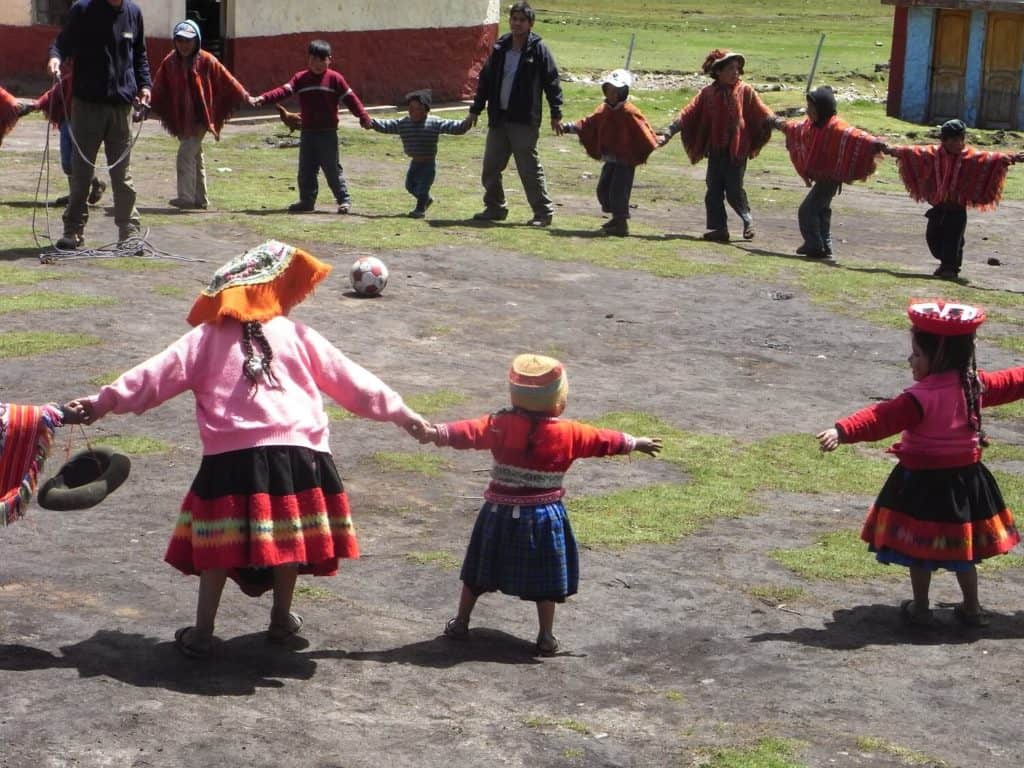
256	366
972	392
268	353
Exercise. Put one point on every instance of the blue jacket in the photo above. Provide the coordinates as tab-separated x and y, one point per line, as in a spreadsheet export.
108	46
537	73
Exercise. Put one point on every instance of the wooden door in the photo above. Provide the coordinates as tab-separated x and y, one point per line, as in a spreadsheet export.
1000	83
949	63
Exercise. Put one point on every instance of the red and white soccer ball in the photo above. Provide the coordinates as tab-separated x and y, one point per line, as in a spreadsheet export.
369	275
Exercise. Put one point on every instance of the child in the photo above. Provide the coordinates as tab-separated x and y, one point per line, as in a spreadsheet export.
522	542
10	112
618	134
420	133
26	435
940	507
319	90
727	123
193	93
267	502
56	105
826	153
951	176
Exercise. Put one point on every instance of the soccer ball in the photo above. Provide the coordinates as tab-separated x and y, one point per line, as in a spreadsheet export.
369	276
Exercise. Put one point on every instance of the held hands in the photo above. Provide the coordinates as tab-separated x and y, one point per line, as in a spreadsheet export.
422	430
471	118
556	126
649	445
828	440
365	121
53	67
663	139
78	412
255	101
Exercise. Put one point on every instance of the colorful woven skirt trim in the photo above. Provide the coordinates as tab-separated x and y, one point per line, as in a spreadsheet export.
262	507
526	551
26	434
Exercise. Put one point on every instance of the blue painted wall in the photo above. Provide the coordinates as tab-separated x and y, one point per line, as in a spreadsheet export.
917	71
975	54
1020	101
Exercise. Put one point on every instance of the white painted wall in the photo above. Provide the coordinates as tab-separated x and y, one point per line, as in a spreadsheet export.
160	16
16	12
255	18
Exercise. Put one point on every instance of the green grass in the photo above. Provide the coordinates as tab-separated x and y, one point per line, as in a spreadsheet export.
29	343
905	755
337	413
10	275
34	302
427	464
134	446
310	592
775	595
443	560
569	724
433	403
835	557
102	379
766	753
135	263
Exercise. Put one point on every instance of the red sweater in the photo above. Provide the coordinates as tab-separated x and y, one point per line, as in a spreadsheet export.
531	454
318	99
904	413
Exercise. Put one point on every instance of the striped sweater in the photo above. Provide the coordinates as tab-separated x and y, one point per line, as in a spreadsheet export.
318	99
419	140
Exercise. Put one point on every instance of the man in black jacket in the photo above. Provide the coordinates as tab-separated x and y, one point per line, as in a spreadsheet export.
518	70
106	41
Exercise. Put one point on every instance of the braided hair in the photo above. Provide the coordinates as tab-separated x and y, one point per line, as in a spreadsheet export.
256	366
956	353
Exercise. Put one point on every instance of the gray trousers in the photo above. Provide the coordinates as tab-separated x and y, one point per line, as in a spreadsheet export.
94	123
724	181
614	189
815	216
318	151
192	170
505	140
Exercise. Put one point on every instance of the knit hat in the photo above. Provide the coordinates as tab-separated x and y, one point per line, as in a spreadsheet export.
718	58
824	100
423	96
537	383
945	318
952	129
261	284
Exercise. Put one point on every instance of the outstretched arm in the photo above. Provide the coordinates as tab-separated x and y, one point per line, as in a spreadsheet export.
649	445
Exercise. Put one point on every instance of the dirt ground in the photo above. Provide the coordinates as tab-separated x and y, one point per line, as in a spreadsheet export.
664	651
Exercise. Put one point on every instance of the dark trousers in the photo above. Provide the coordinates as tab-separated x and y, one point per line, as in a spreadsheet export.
815	216
419	179
945	234
614	189
318	151
725	182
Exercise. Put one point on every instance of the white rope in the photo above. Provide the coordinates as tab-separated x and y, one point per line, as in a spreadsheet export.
74	140
138	246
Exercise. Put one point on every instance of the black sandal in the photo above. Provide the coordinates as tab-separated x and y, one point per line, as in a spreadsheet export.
186	641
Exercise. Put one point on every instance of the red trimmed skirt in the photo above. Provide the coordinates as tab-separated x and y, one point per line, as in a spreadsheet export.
940	518
253	509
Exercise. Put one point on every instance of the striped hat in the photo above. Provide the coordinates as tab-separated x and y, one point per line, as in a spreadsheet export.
538	383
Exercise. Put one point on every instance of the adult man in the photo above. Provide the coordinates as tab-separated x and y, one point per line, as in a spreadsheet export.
107	42
519	68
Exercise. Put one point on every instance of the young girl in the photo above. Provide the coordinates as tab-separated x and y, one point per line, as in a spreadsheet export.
618	134
727	123
193	93
10	111
826	153
267	502
522	542
940	507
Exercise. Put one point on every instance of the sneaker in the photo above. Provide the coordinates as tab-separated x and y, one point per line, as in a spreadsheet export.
616	228
748	230
62	200
547	644
416	213
345	207
456	629
70	242
301	207
180	202
491	214
540	221
96	191
129	241
946	273
716	236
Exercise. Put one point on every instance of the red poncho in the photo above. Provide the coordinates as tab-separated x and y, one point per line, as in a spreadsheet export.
723	117
26	433
194	92
972	178
57	106
834	151
622	132
8	113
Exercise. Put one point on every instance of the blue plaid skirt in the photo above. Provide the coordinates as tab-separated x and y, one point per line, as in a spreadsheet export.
526	551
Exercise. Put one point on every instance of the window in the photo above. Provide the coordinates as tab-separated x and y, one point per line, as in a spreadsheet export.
51	11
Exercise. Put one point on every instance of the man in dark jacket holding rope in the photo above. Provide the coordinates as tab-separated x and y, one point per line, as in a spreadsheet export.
106	40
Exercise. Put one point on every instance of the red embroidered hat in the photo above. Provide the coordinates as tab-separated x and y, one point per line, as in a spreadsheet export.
945	318
719	58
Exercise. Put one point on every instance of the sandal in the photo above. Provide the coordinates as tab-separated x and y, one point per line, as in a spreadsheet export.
748	230
192	643
969	619
914	617
456	629
280	633
547	644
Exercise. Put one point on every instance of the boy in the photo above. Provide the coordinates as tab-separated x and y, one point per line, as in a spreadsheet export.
619	134
826	153
952	176
193	93
419	134
319	89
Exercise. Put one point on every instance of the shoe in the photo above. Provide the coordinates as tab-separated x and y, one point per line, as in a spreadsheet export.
813	254
416	213
62	200
716	236
547	644
456	629
540	221
192	643
491	214
748	230
70	242
345	207
429	202
281	633
180	202
96	191
616	228
803	250
914	617
301	207
946	273
968	619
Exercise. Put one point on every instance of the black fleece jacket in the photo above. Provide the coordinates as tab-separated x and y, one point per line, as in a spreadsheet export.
537	73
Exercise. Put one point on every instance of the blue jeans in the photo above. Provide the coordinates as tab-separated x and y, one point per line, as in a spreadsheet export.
318	151
67	148
419	179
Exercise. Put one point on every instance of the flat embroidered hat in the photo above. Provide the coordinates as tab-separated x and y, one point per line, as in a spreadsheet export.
537	383
262	283
945	318
718	58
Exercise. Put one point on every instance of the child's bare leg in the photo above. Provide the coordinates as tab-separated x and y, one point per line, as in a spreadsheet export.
467	601
968	581
285	577
211	585
546	616
920	583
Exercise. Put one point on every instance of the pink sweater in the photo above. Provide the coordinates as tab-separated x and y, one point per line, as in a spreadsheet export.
230	414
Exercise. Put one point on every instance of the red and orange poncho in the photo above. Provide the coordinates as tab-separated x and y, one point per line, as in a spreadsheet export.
722	117
621	132
195	92
9	113
973	178
833	151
